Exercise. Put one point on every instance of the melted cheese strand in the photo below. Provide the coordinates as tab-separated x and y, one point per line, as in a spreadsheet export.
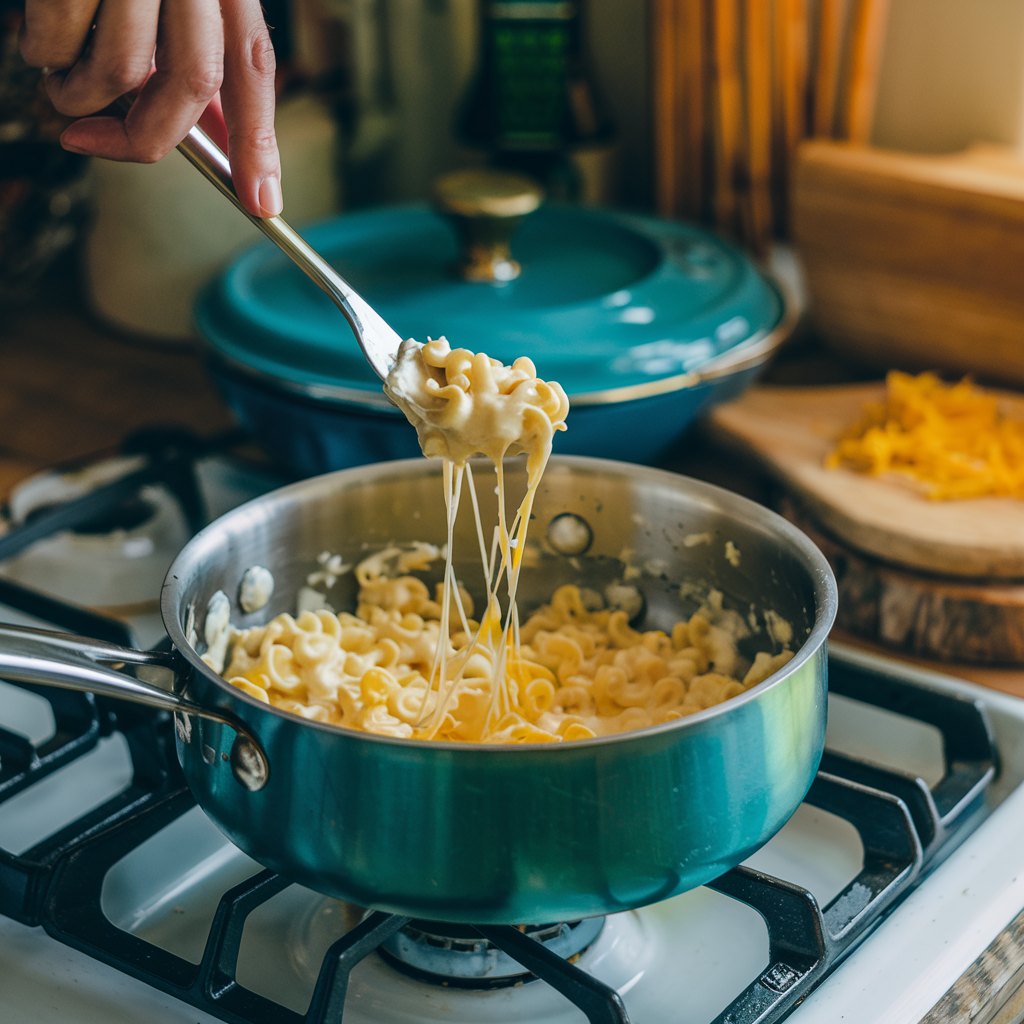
494	555
461	403
479	525
444	643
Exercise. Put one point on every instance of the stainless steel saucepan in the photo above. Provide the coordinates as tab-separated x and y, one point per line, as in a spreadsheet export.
490	834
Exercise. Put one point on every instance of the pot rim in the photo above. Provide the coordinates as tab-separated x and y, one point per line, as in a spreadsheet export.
823	580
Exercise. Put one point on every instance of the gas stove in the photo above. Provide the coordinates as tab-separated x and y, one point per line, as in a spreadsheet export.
120	901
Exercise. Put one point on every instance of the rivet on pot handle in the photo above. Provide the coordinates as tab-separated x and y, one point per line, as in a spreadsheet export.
77	663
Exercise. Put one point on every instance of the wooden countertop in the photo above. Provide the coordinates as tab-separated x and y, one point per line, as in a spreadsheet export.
69	386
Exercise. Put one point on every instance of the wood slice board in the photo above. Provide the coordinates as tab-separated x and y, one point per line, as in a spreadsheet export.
790	430
952	620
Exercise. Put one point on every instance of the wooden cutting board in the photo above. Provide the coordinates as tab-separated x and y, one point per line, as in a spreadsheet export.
790	430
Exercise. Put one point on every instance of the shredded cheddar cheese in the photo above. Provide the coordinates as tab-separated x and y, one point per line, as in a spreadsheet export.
950	438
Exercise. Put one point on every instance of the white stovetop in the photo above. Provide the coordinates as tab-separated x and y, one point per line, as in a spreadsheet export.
680	961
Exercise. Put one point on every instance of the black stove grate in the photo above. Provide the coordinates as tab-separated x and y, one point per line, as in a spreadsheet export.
906	829
81	721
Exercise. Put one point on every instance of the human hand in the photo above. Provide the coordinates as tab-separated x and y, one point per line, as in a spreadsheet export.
191	61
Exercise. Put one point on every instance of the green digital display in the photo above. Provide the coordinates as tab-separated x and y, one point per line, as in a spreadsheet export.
530	76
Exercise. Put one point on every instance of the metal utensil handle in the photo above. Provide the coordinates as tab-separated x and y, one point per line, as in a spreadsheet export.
208	158
77	663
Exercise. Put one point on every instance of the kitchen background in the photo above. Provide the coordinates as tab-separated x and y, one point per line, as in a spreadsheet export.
371	92
902	250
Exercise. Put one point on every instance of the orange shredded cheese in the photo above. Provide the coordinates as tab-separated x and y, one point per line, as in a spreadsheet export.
950	438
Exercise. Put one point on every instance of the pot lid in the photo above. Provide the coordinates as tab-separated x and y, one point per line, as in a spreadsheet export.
605	301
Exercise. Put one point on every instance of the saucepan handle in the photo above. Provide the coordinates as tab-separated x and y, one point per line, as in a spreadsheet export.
77	663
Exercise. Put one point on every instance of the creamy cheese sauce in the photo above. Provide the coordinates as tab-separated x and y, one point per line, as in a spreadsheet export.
580	670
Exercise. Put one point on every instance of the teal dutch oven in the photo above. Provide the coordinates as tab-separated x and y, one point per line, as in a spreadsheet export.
644	322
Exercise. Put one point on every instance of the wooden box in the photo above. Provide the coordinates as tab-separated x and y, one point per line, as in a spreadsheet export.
915	261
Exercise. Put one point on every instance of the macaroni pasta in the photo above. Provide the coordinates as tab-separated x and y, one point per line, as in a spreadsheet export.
463	403
579	672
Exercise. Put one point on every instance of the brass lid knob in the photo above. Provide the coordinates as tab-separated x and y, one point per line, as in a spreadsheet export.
486	207
479	192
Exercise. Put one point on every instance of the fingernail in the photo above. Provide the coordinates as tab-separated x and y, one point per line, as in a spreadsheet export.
271	202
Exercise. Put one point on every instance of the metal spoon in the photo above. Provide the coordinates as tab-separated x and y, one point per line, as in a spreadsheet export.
376	338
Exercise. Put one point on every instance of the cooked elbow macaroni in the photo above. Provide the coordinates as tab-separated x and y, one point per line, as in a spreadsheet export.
578	673
463	403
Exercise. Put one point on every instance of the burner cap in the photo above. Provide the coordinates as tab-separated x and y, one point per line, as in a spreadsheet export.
459	956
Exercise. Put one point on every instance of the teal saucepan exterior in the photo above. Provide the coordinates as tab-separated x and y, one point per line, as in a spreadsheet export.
518	834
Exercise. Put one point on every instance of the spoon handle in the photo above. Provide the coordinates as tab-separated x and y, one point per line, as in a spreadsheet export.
376	338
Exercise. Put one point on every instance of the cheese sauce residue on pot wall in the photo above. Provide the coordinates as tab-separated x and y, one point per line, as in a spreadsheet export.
412	665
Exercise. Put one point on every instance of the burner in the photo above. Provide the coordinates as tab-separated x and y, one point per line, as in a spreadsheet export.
130	514
115	559
458	955
85	546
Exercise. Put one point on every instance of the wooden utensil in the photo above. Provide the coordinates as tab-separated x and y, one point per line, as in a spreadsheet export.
866	45
758	83
664	39
680	87
831	33
789	100
728	110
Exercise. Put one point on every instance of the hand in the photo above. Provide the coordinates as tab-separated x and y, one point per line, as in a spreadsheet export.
191	61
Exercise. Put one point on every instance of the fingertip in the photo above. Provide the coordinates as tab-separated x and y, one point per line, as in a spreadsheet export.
73	141
98	136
